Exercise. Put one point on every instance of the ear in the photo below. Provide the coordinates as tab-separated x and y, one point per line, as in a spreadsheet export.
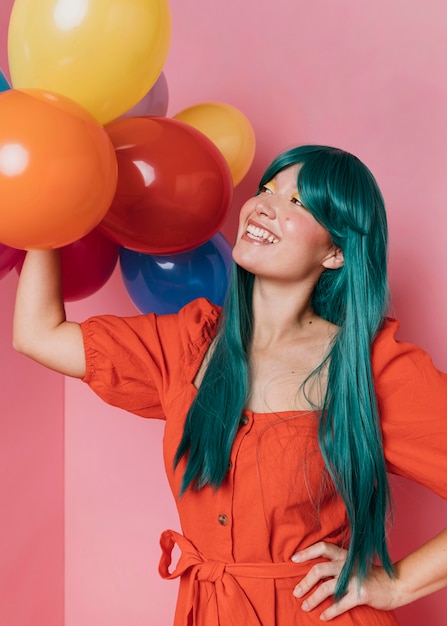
334	260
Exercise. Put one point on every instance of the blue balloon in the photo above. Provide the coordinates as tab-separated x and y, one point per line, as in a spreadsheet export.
164	284
4	85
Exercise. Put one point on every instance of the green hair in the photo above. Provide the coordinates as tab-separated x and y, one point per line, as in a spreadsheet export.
342	195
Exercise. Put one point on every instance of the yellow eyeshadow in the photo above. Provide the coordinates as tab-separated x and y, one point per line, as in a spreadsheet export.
270	185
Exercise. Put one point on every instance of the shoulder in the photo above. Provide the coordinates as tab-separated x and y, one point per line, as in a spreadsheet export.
412	396
388	350
198	319
400	367
184	336
196	325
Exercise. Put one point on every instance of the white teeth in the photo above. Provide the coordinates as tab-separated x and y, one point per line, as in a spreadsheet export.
254	232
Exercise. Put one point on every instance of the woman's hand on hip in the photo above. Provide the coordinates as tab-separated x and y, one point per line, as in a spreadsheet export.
378	590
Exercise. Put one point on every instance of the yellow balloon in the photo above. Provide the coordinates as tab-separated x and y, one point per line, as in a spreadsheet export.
228	129
104	54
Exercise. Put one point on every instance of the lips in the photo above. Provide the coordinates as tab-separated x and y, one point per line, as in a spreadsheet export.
256	233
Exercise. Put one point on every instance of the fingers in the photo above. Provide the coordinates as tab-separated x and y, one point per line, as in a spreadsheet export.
324	590
319	550
327	572
336	609
321	578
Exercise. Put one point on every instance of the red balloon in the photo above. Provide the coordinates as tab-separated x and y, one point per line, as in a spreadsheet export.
174	186
87	265
9	258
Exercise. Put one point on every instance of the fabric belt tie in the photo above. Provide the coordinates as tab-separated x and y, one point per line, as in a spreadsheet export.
233	605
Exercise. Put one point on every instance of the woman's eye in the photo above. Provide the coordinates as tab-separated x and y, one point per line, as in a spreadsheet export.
296	201
265	189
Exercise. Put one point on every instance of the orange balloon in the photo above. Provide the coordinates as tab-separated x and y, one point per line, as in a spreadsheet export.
58	170
228	129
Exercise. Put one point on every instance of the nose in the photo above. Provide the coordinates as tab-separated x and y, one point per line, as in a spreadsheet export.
264	206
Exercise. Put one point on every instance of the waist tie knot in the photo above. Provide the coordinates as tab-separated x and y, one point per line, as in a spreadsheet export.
210	571
214	594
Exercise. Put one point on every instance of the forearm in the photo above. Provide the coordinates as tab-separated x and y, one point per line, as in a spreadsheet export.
424	571
40	327
39	303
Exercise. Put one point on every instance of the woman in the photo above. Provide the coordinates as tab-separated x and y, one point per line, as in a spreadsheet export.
283	413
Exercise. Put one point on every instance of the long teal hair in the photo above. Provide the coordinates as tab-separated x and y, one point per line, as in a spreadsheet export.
342	195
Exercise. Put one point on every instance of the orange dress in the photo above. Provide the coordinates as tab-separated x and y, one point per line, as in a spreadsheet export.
236	542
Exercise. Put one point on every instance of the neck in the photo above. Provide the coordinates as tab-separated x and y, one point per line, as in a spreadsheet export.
280	309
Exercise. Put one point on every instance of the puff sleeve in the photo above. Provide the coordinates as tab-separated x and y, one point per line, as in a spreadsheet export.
412	401
137	363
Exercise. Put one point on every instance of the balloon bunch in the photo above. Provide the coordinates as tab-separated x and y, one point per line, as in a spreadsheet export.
90	163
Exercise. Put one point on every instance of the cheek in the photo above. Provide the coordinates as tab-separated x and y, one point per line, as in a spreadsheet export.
243	215
309	232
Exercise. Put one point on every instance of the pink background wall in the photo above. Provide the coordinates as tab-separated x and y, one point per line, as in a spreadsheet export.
31	483
367	77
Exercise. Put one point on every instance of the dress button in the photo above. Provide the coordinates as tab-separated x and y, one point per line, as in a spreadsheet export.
244	420
222	519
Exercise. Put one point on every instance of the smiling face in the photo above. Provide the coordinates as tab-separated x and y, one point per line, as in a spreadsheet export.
279	239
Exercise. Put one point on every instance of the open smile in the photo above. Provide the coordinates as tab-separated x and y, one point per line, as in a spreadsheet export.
260	234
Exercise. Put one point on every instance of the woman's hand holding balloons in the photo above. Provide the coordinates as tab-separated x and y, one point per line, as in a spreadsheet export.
87	265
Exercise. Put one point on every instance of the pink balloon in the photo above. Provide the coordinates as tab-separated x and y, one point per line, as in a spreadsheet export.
154	103
87	265
9	258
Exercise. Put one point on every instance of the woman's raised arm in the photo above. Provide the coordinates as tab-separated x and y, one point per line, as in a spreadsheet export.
41	330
